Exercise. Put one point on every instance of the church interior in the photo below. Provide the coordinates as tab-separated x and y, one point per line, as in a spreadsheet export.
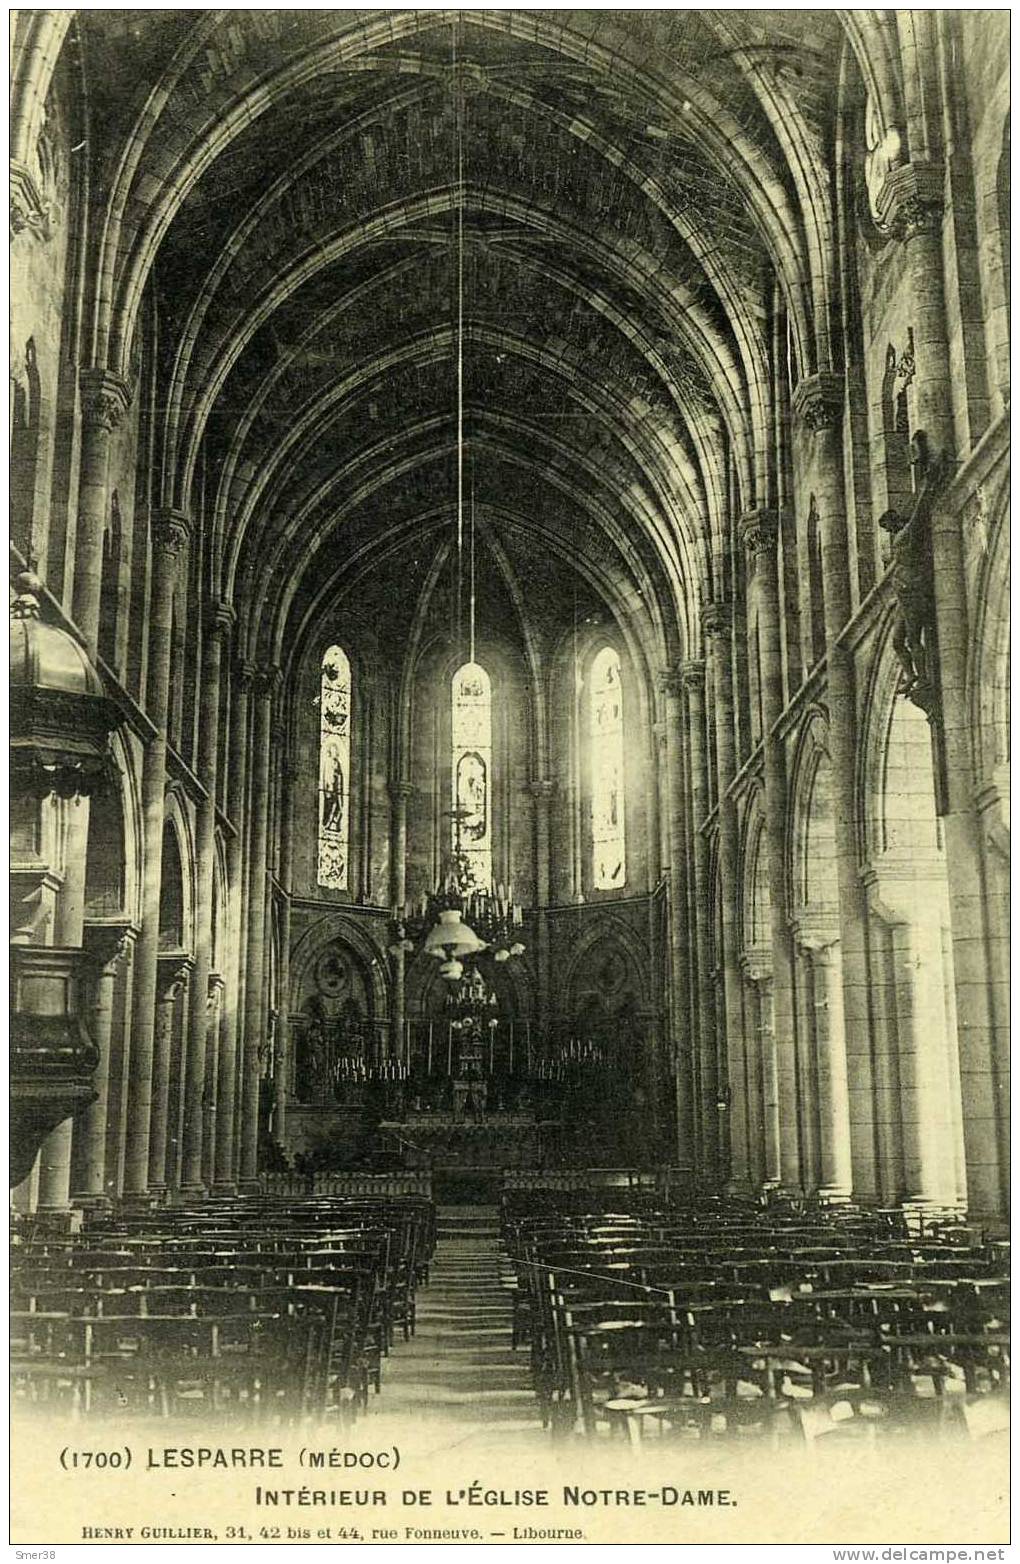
510	714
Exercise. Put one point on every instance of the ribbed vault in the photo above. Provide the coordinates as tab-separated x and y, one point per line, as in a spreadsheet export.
639	196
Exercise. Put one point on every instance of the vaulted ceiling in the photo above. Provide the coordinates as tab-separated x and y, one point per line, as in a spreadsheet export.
281	191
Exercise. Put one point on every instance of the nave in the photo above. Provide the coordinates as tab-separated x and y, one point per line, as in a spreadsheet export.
510	728
566	1314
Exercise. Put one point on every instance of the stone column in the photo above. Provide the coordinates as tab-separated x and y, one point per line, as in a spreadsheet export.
911	207
807	1073
400	795
914	917
55	1168
170	534
172	971
55	1154
218	628
717	624
542	792
661	796
281	1078
830	1056
105	944
758	971
693	678
818	402
681	1017
104	400
254	1010
213	1010
231	1030
759	532
724	1095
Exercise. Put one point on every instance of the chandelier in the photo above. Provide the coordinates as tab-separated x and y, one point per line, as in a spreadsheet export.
460	919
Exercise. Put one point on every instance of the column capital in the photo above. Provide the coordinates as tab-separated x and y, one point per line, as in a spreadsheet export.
905	890
171	531
247	673
756	964
105	398
106	941
542	789
692	675
29	207
401	792
815	935
759	531
220	618
669	680
173	967
268	678
911	200
214	993
716	619
818	401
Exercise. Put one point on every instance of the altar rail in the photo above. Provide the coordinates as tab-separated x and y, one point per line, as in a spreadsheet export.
411	1181
660	1180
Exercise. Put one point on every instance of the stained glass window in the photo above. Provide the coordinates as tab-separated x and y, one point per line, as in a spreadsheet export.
607	807
334	768
472	769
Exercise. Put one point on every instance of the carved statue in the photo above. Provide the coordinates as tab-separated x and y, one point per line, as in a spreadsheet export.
912	573
313	1057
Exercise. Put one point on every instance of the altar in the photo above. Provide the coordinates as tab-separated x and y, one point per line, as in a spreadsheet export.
464	1140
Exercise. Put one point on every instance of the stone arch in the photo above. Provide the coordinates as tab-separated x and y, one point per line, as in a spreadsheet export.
112	881
895	782
912	988
177	880
617	938
755	899
510	980
989	670
220	908
811	862
333	929
109	593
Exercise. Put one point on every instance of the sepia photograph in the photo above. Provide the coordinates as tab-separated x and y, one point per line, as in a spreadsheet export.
509	779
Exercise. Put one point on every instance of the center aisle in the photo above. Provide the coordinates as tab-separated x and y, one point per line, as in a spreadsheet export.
458	1376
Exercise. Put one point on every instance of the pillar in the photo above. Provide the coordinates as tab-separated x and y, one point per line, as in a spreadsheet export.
231	1020
69	929
282	1076
170	533
818	403
218	628
759	532
105	945
681	1016
913	910
172	972
400	794
826	969
104	400
693	677
255	1017
214	1006
911	207
758	972
717	625
542	793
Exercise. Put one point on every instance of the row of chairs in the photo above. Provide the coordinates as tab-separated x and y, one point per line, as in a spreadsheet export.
720	1318
281	1308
